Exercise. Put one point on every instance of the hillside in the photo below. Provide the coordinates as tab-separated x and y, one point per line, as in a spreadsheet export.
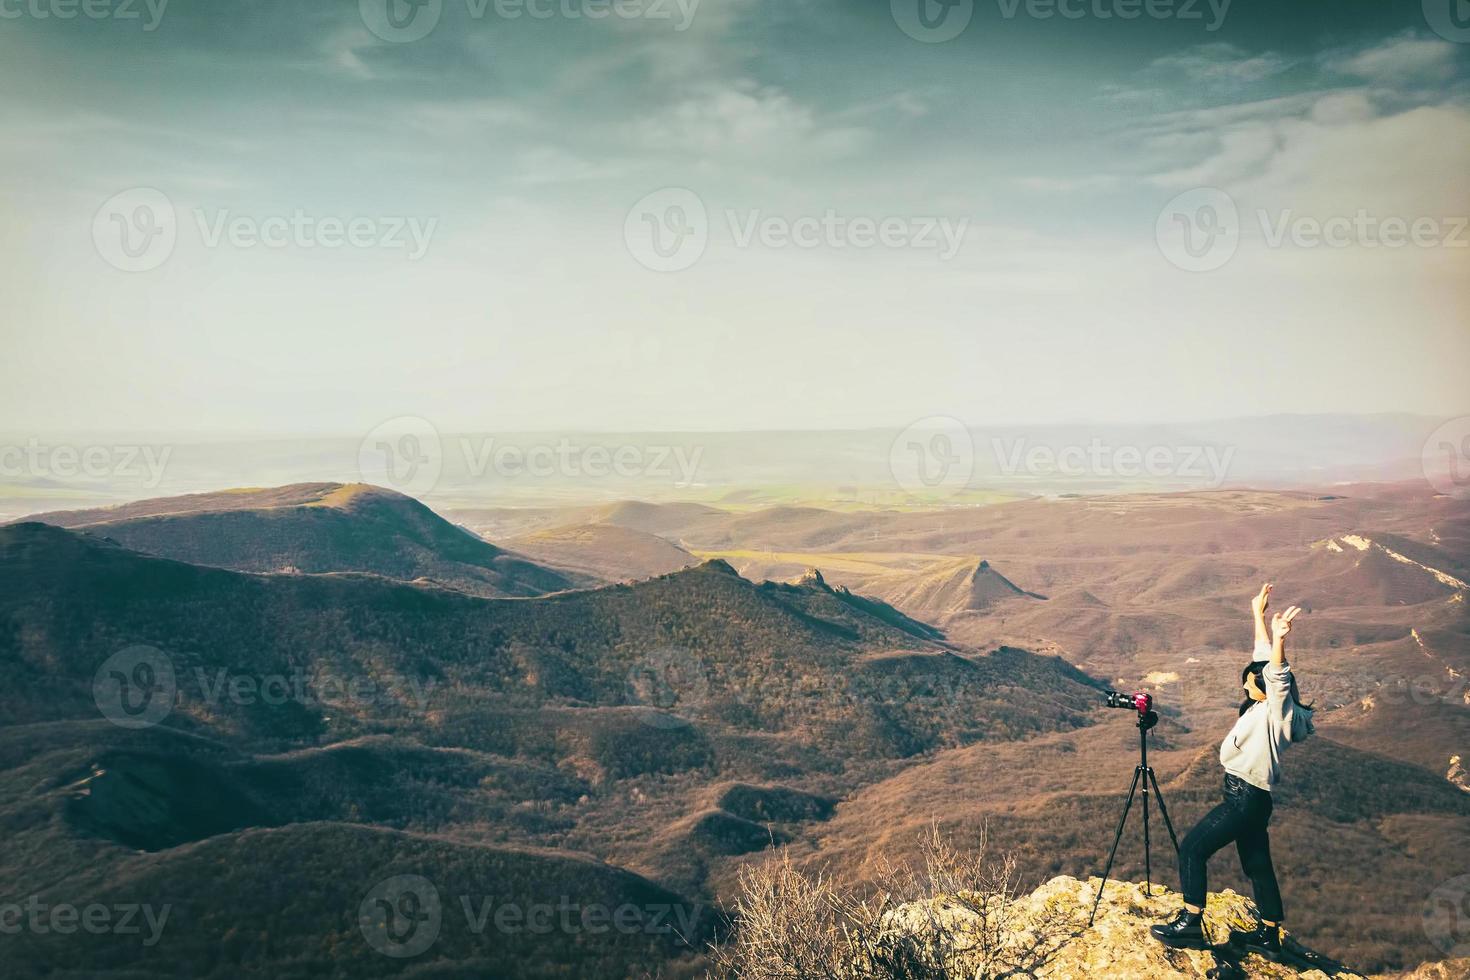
356	901
668	727
703	642
315	528
605	552
964	587
1146	589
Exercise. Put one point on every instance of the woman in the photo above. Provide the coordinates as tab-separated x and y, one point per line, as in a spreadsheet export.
1271	718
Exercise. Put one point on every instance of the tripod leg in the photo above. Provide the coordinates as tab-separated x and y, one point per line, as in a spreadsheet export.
1117	836
1148	862
1159	795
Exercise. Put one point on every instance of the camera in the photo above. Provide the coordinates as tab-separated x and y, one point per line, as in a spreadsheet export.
1139	701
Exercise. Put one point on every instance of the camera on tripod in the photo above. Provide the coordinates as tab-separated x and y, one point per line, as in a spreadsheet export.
1139	701
1144	780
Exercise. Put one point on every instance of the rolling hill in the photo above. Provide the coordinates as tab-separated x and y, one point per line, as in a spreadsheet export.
315	528
605	552
959	588
704	642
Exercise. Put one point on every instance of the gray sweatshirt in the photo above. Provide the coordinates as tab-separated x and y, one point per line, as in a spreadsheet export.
1253	748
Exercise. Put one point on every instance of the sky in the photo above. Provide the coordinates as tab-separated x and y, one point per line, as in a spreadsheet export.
274	216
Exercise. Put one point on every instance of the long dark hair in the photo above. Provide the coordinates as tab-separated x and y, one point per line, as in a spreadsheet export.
1257	668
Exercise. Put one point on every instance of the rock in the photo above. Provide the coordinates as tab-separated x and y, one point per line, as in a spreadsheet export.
1457	969
1054	918
812	578
1457	774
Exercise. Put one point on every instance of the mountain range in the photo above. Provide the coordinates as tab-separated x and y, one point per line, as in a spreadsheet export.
261	735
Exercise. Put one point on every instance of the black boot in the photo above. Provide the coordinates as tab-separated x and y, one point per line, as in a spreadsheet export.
1185	931
1264	939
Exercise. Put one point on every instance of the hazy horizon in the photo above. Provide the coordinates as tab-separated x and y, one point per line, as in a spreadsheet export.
207	435
937	462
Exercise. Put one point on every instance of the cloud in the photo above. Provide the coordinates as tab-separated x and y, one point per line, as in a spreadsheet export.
1219	65
744	119
1234	114
554	165
1339	155
1069	185
467	116
910	104
1238	151
1407	164
340	49
1391	139
1398	60
1343	107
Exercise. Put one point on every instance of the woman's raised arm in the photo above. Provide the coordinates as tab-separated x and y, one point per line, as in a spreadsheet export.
1258	611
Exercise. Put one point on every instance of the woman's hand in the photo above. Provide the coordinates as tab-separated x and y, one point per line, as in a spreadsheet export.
1258	611
1281	623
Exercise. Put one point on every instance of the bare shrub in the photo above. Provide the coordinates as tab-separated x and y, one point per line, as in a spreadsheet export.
956	915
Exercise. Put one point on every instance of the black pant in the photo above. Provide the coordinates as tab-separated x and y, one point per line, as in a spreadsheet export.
1242	818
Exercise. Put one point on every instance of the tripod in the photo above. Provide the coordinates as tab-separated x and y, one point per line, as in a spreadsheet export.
1143	776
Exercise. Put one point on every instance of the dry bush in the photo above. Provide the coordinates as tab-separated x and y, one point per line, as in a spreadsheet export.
957	915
